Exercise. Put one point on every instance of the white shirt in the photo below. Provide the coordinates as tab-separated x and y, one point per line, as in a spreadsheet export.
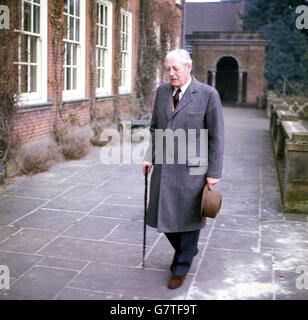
183	89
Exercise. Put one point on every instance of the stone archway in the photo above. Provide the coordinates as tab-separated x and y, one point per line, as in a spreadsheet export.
227	78
244	51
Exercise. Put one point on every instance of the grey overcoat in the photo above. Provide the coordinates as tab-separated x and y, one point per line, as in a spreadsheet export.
175	189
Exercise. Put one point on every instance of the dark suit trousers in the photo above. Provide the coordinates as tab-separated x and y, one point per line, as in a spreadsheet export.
185	245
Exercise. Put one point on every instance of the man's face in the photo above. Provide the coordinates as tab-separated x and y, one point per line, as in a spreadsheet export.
178	73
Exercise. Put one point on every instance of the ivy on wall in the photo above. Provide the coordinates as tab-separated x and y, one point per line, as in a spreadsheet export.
9	84
159	29
57	34
116	74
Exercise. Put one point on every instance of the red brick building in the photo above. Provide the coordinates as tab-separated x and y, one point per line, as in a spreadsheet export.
35	61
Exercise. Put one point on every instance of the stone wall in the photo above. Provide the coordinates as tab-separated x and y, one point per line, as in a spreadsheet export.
290	145
298	105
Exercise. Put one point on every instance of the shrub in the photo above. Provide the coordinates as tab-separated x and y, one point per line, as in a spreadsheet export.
74	145
38	157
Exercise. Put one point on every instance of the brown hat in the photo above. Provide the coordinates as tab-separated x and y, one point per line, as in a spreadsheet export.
210	203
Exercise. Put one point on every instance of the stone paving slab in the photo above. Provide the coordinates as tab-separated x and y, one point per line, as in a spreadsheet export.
126	199
75	232
6	231
239	212
94	228
36	193
233	275
237	222
92	250
49	220
233	240
85	202
285	291
28	241
18	263
132	232
91	177
84	294
284	235
122	280
69	264
124	185
34	283
12	208
241	202
123	212
288	260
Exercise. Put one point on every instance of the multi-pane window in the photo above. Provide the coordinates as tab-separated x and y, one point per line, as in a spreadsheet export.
71	43
27	55
102	44
124	49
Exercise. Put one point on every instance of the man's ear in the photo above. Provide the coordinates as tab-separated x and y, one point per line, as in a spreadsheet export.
189	66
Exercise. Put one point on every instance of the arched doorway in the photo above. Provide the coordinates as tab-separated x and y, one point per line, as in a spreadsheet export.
227	79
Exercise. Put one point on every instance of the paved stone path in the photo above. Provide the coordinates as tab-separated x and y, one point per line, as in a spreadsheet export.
75	232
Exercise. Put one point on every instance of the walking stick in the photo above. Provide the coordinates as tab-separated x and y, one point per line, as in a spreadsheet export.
145	214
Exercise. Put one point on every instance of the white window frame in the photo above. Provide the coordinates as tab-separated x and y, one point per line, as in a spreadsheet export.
79	92
127	87
177	42
41	93
106	89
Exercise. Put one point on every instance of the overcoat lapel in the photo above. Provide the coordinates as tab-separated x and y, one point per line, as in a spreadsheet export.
186	99
169	102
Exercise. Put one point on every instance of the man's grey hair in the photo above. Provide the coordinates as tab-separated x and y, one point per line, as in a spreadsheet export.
182	53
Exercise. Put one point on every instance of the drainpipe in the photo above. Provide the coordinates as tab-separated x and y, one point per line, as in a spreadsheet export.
183	25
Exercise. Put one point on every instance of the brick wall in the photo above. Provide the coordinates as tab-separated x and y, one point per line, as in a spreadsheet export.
34	124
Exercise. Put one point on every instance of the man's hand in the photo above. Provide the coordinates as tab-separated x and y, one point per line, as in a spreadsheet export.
211	182
146	164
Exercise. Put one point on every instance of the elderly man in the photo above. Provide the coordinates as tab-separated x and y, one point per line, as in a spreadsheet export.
175	193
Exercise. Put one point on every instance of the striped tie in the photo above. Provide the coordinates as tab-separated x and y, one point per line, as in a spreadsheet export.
176	97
